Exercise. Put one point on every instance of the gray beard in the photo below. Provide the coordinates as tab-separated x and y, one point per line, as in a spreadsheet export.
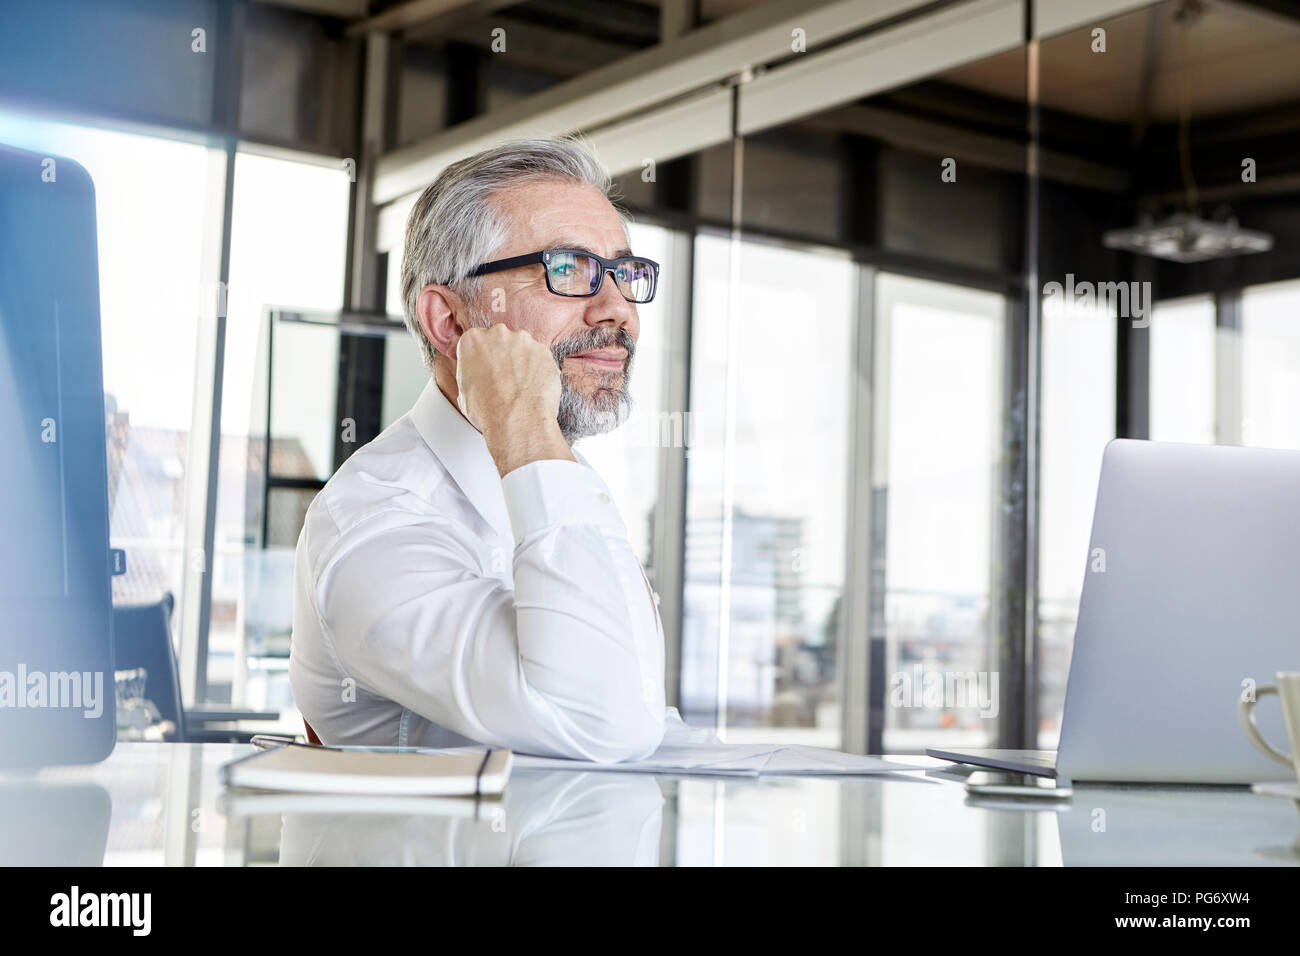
608	408
581	417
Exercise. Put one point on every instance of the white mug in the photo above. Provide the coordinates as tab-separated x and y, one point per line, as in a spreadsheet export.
1287	689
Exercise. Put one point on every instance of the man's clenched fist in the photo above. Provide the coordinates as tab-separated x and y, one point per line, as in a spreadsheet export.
509	389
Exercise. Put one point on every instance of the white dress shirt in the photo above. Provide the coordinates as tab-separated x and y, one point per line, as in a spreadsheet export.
439	604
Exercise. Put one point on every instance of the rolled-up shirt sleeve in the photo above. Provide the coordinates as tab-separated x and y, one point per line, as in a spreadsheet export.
567	663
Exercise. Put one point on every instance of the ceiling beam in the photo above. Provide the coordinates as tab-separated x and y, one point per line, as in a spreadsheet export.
1058	16
416	13
882	60
558	52
677	18
345	9
631	21
982	149
646	79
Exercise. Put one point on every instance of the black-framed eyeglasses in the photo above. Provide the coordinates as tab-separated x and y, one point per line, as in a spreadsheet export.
575	272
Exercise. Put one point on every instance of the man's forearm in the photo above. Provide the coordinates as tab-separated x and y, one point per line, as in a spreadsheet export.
515	442
589	640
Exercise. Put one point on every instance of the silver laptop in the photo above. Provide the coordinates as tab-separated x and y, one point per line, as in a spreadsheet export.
1200	593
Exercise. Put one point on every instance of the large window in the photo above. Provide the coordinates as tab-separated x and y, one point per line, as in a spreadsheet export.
766	489
1270	365
935	458
1224	381
150	202
1182	355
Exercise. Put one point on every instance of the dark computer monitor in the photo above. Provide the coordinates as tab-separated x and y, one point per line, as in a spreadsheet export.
57	702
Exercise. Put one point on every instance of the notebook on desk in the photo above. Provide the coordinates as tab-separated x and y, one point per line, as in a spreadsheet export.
248	803
303	769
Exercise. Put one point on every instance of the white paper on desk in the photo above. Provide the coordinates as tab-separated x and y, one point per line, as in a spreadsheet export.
809	760
736	760
746	760
688	749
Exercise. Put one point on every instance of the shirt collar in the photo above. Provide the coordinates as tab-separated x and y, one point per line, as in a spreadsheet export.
464	453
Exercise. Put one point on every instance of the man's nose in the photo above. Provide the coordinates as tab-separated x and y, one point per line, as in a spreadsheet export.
609	306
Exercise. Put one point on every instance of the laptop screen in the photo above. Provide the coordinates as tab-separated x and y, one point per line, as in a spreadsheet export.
56	680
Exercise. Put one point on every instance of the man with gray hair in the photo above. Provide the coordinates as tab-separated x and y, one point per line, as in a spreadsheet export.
466	577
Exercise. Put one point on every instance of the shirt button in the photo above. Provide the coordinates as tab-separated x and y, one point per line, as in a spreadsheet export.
603	498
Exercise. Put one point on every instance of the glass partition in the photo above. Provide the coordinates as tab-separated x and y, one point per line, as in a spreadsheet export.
287	247
1077	420
767	488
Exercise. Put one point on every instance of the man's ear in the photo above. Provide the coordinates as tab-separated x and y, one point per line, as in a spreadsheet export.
439	312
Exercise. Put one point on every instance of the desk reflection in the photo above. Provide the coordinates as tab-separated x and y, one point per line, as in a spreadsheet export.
545	818
155	804
44	824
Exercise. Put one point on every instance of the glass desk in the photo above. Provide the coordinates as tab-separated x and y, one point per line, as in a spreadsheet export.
154	804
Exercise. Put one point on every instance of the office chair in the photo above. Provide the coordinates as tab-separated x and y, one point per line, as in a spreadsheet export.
142	638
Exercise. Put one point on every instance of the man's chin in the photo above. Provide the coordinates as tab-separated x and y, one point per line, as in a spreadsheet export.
601	412
600	392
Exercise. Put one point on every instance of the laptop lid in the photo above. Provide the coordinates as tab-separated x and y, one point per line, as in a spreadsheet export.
1191	589
1038	763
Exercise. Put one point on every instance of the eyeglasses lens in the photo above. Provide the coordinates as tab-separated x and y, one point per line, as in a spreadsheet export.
575	274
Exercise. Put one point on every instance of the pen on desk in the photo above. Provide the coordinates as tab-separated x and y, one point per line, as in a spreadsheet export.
272	741
275	741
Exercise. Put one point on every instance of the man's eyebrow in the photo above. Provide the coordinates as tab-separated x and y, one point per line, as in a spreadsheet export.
567	244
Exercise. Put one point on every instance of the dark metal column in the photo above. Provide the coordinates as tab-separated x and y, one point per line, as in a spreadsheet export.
1015	597
360	395
1228	406
1133	364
